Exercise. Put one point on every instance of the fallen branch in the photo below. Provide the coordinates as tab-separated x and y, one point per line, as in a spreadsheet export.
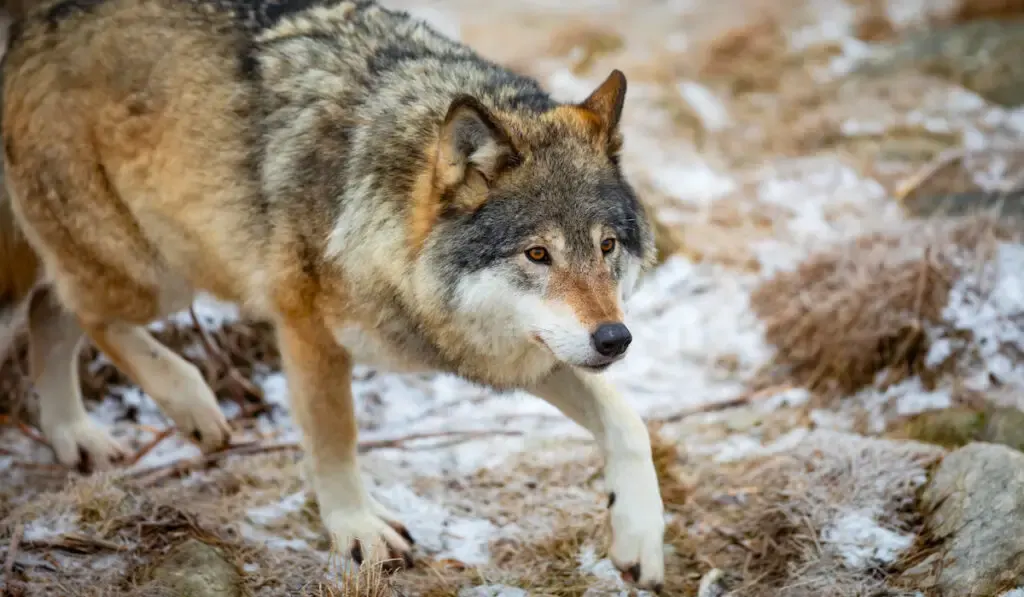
151	475
741	400
80	544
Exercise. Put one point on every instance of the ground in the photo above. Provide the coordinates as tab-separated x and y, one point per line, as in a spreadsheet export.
812	305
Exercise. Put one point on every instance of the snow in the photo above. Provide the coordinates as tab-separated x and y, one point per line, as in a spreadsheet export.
493	591
712	113
862	542
45	528
987	302
1018	592
437	529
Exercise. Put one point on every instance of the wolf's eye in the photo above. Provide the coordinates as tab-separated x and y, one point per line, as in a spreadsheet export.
538	255
607	245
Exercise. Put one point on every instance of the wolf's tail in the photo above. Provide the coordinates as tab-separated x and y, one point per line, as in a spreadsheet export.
20	268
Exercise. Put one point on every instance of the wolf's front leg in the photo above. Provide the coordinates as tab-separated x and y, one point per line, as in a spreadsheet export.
320	384
637	512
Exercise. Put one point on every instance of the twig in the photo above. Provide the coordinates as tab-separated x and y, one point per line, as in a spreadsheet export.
462	436
741	400
151	475
218	355
928	171
146	449
75	544
33	434
12	554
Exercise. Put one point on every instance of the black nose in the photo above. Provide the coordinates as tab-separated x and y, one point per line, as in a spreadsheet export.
611	339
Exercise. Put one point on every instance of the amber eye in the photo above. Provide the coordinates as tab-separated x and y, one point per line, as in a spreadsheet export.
538	255
607	245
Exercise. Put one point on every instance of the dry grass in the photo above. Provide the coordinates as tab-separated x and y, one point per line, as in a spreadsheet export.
848	314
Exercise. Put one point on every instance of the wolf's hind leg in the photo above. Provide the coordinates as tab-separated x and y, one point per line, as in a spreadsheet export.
175	385
637	519
320	384
54	341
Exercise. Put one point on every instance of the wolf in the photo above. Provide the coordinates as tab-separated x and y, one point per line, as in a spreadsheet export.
379	192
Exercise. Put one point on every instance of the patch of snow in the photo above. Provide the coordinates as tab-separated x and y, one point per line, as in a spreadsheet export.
787	398
211	312
988	302
853	52
438	530
906	13
827	419
693	181
743	447
493	591
264	515
272	541
1015	120
602	568
712	113
44	528
833	22
826	201
1018	592
862	542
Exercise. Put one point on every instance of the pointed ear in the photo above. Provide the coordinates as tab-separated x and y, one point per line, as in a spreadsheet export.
607	100
473	150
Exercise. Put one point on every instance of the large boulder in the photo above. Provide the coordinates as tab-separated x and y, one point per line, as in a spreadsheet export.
974	512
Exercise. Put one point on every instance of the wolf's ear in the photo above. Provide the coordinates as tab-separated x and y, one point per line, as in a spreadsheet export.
607	100
473	149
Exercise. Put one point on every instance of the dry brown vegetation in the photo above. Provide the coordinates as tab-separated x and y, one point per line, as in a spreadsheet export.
850	313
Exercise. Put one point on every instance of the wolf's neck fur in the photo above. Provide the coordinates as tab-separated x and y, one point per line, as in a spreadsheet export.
348	120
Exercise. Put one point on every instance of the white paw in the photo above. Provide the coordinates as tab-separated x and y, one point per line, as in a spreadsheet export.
369	539
638	536
198	417
84	445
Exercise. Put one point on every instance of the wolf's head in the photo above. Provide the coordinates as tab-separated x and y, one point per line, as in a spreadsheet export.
535	231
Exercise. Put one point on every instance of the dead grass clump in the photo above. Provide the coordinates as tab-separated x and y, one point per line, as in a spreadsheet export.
778	527
970	10
748	58
848	314
551	566
584	44
873	23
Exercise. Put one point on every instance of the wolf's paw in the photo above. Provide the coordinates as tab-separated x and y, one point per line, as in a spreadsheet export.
638	538
199	418
84	445
370	539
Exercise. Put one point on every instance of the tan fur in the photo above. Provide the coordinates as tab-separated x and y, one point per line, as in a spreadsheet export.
593	297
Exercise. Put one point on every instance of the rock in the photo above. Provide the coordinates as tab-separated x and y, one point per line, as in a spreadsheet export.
920	205
981	55
956	427
195	569
974	513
